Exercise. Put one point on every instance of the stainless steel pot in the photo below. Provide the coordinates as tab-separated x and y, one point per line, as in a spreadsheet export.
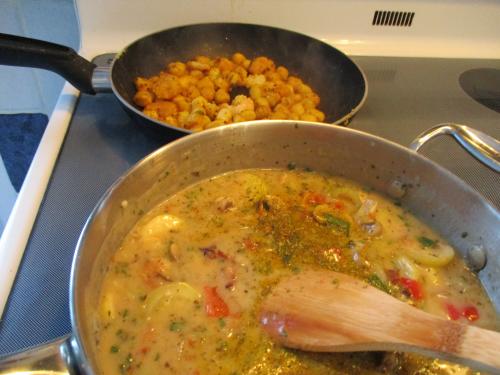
432	193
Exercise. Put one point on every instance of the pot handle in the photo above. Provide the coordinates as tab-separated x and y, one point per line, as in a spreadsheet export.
33	53
483	147
53	357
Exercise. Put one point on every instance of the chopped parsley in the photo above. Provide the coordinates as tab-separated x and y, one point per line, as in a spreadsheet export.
427	242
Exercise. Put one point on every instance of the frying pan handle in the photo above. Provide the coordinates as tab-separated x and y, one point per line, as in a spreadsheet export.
54	357
483	147
33	53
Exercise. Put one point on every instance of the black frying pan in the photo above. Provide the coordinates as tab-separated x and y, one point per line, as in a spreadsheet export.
339	82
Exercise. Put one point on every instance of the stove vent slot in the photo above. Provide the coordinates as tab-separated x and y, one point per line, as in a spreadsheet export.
392	18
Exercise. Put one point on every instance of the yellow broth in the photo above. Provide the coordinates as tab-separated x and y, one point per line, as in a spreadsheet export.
182	293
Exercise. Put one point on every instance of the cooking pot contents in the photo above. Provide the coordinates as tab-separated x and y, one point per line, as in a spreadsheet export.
183	292
327	311
197	95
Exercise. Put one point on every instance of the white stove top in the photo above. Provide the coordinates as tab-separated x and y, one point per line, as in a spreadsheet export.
449	29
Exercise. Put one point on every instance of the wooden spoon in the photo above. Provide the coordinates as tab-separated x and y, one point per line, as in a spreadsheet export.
326	311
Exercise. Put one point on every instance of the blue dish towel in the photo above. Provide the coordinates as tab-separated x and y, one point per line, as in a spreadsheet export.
20	135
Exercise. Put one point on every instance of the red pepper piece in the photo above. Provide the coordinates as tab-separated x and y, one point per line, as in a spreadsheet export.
214	304
413	287
453	312
470	313
339	205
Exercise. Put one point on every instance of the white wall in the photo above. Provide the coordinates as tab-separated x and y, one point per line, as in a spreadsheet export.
24	90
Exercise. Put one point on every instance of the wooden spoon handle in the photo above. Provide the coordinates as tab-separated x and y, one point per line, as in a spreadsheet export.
331	312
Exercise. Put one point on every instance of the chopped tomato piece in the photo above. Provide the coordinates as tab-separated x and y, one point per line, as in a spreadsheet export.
214	304
339	205
314	198
453	312
471	313
250	244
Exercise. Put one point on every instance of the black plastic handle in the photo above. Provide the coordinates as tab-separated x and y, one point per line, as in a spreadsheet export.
33	53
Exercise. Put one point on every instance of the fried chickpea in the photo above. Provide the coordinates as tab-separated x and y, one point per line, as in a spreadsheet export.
304	89
192	92
273	98
281	108
214	124
163	108
206	88
283	72
182	118
295	82
315	99
308	117
211	109
196	120
255	92
262	112
278	116
247	115
284	89
318	114
226	65
171	120
196	65
255	80
273	76
287	101
204	60
143	98
221	83
235	79
142	83
177	68
151	113
196	94
167	87
260	65
225	114
187	81
222	96
196	73
208	93
298	109
263	102
242	72
238	58
214	74
182	103
308	103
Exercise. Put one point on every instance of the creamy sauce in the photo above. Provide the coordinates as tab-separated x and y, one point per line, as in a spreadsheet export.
182	293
